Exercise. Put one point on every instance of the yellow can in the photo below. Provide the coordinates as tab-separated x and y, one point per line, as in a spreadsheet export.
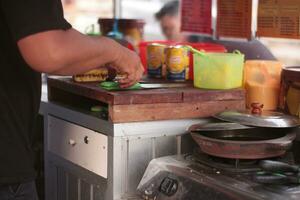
156	60
177	63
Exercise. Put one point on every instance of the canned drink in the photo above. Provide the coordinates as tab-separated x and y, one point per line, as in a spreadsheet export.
177	63
156	60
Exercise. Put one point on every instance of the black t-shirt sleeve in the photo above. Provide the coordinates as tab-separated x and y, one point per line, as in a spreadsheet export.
27	17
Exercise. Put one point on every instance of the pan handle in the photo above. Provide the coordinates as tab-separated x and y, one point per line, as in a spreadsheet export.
278	167
276	179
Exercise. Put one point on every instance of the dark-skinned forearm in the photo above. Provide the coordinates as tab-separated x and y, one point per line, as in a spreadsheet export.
67	52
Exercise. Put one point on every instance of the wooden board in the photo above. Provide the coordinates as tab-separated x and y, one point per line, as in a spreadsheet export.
145	105
234	18
93	91
164	111
279	18
197	95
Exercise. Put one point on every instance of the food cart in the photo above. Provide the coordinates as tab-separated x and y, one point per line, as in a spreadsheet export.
104	154
92	156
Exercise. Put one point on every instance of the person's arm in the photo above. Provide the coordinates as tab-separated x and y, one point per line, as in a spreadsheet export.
48	43
68	52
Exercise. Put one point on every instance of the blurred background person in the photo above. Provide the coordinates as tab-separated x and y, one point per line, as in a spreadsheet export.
169	19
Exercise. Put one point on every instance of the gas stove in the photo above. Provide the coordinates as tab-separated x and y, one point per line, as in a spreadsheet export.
199	176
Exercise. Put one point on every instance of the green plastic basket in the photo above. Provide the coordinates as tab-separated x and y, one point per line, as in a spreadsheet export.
218	70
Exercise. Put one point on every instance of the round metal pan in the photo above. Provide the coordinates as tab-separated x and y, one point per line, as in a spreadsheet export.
246	143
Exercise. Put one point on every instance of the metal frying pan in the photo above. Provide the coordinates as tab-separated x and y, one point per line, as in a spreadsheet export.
231	140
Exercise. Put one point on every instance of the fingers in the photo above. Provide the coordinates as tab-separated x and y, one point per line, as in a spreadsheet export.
125	83
128	64
128	81
132	78
140	72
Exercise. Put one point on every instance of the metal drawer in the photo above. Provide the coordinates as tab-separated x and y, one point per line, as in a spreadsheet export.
79	145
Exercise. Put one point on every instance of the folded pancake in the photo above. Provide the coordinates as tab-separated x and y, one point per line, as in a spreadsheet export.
101	74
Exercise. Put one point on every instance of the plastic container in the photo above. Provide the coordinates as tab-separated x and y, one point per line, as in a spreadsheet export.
293	99
132	29
207	47
262	83
218	70
290	90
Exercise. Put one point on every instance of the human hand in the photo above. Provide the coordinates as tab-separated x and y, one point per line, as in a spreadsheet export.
128	64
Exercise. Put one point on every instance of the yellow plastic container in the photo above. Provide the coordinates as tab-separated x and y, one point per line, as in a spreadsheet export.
293	99
218	70
262	83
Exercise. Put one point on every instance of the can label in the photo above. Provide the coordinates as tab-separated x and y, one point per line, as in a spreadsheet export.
177	63
155	60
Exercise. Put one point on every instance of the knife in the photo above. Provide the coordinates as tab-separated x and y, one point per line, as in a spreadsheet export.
114	86
164	85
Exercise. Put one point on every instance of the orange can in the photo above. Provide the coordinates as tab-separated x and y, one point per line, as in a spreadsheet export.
156	60
177	63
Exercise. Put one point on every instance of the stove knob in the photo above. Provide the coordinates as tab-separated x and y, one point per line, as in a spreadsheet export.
169	186
72	142
86	139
